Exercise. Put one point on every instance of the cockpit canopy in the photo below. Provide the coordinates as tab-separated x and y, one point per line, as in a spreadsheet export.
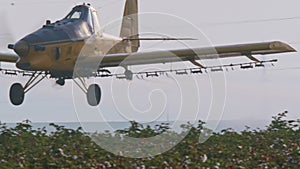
78	12
85	13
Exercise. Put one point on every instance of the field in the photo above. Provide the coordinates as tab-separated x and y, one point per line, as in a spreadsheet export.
276	146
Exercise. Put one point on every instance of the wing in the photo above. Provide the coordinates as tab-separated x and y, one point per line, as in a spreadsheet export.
8	57
192	55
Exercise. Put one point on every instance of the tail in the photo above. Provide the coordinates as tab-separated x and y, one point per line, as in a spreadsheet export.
130	26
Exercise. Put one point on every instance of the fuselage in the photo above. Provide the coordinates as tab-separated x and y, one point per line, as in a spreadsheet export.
56	47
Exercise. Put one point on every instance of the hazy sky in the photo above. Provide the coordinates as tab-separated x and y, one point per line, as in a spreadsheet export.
253	94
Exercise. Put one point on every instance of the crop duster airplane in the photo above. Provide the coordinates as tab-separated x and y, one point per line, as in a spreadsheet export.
76	46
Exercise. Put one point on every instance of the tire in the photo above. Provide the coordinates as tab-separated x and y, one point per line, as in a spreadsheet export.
94	95
16	94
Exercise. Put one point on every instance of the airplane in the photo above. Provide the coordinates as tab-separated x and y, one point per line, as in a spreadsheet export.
75	48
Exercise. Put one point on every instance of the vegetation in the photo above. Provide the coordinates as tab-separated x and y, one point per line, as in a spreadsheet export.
277	146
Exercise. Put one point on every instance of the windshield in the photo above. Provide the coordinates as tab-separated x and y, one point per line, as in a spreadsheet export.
79	12
75	15
86	14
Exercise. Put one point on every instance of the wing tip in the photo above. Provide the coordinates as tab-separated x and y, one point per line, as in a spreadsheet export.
279	45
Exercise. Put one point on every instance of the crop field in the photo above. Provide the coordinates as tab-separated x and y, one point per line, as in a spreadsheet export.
276	146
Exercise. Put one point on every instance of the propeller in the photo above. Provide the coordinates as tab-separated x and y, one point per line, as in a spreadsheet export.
21	48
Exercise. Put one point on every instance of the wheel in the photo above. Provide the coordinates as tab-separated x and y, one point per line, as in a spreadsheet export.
94	95
16	94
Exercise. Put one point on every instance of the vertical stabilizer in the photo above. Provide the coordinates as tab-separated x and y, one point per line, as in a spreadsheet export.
130	28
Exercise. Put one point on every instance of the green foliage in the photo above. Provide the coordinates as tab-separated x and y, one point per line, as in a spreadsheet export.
278	146
137	130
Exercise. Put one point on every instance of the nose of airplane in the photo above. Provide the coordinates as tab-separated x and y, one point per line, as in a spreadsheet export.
22	48
23	65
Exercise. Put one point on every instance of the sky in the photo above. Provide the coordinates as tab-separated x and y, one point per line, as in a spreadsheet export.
255	94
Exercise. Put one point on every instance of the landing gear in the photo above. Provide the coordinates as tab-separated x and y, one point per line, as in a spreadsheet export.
61	82
93	92
17	91
93	95
16	94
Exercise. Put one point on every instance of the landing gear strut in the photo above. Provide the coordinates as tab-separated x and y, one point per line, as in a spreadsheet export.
17	91
93	92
